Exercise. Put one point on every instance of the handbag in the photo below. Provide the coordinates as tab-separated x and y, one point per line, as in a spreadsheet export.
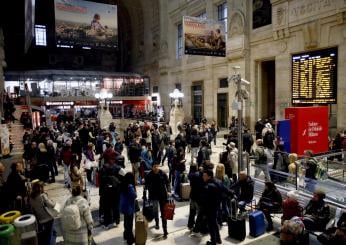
148	208
55	211
168	209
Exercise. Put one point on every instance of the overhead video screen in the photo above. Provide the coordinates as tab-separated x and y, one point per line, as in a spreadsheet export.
314	77
86	24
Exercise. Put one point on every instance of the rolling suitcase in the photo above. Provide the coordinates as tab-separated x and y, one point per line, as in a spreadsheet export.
257	224
141	233
185	190
236	224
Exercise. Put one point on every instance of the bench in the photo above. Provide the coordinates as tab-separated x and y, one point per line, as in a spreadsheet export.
303	200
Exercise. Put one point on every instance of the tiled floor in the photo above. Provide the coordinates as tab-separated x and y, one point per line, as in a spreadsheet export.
178	232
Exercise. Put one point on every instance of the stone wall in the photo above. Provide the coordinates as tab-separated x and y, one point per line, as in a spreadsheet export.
297	26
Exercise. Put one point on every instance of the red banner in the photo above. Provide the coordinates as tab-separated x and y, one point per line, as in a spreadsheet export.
309	128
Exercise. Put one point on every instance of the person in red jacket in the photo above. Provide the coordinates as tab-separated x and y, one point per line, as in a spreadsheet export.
109	154
291	207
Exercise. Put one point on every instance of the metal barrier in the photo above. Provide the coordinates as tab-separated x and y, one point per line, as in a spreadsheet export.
334	189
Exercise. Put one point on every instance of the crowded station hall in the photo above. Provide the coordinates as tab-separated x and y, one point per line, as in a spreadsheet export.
172	122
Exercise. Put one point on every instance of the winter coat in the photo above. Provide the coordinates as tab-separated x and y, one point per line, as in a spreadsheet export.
244	189
127	200
157	185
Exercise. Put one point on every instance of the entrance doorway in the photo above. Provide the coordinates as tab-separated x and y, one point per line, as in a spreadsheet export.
268	89
197	102
222	110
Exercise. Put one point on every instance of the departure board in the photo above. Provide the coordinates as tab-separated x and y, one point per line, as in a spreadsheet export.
314	77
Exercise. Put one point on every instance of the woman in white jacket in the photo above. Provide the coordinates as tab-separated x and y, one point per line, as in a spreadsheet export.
73	236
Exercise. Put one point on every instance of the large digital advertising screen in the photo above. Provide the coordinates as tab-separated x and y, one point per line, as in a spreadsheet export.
86	24
314	77
204	37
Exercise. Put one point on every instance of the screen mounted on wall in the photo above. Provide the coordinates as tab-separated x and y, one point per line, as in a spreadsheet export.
314	77
86	24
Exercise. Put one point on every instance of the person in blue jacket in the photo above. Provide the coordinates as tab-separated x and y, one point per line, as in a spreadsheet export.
146	156
128	197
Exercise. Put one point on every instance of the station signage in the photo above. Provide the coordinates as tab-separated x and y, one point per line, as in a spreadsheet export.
314	77
59	103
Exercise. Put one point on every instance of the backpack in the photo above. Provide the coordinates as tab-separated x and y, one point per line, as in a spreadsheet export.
261	156
111	181
268	138
165	138
171	152
70	216
321	171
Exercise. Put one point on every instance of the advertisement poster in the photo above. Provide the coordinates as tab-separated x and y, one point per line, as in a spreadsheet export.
5	139
204	37
309	128
86	24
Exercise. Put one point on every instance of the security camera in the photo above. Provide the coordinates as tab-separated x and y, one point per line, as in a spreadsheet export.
235	68
245	82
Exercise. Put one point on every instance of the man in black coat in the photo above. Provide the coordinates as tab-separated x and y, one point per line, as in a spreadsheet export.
156	182
196	183
244	190
134	156
211	203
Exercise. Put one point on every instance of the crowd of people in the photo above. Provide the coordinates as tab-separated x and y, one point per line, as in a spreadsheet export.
89	153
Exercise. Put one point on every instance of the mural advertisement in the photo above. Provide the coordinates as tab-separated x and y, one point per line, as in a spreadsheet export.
204	37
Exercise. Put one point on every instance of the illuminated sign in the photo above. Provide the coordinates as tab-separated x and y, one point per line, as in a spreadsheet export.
86	24
119	102
60	103
314	77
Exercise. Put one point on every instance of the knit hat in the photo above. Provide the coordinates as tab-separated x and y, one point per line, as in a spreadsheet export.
292	194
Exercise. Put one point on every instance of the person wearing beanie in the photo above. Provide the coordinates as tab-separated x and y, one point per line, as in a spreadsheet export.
317	212
290	206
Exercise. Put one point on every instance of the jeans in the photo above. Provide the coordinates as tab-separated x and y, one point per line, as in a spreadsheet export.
67	179
310	184
213	227
135	171
156	204
194	209
128	227
265	169
177	181
45	233
223	210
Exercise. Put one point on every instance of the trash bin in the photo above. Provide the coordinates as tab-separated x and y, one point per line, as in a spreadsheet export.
26	229
7	232
9	217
